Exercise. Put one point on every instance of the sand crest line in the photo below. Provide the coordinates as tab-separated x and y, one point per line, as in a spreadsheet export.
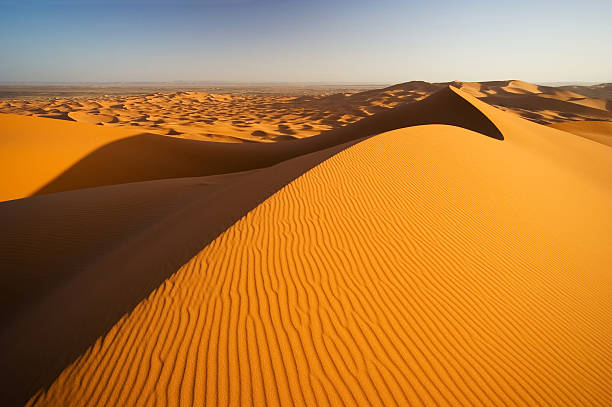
383	277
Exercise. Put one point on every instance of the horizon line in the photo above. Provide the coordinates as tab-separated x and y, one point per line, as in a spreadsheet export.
276	83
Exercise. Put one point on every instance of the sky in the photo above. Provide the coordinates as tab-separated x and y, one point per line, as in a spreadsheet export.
332	41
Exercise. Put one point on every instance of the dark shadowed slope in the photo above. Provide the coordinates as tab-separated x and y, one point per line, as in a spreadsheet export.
126	157
424	266
88	273
598	131
107	248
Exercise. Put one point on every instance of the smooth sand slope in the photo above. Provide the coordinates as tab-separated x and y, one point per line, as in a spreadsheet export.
266	118
33	151
593	130
429	265
76	261
70	156
72	271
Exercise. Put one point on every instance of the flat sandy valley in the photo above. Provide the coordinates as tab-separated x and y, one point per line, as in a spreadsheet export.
439	244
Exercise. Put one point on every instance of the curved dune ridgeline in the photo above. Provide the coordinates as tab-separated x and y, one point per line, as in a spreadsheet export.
598	131
533	102
75	262
426	266
69	161
440	252
77	251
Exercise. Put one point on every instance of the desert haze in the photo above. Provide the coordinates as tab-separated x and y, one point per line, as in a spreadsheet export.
415	244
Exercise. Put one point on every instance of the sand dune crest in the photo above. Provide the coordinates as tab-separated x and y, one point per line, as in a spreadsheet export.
423	266
69	161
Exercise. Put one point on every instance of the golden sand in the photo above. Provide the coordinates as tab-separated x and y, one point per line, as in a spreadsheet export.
593	130
235	118
429	265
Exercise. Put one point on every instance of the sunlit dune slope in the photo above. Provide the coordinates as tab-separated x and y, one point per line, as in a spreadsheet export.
47	239
33	150
147	238
70	155
541	104
282	116
593	130
424	266
73	263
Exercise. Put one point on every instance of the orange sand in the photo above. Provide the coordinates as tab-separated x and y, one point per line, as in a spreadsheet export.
36	150
235	118
66	158
593	130
429	265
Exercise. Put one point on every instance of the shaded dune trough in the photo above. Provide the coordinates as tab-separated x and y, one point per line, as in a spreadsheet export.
419	266
139	157
422	266
149	234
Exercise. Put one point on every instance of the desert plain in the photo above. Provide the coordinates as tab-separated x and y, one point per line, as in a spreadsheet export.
439	244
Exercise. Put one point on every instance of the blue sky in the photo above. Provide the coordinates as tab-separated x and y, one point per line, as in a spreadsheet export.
384	41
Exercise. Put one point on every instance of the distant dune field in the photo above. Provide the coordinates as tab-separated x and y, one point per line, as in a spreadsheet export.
416	246
599	131
269	117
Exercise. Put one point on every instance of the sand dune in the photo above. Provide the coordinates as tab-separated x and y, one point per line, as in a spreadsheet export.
541	104
52	237
602	91
67	160
69	298
36	150
92	118
411	246
593	130
549	109
429	265
268	118
155	227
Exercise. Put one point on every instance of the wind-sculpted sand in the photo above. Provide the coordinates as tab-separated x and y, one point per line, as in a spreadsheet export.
66	160
593	130
441	252
236	118
429	265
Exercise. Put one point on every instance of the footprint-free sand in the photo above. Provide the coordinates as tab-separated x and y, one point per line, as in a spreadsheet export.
441	251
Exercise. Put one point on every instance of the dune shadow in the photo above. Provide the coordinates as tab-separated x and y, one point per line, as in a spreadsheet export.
538	103
60	325
106	250
152	156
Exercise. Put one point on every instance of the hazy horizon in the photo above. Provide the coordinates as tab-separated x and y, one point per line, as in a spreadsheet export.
250	41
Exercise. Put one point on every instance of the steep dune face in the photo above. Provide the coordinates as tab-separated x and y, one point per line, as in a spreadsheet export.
36	150
541	104
47	239
155	227
428	265
75	262
603	90
598	131
67	159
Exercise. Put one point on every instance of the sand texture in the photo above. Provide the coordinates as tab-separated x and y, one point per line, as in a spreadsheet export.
236	118
593	130
66	160
440	251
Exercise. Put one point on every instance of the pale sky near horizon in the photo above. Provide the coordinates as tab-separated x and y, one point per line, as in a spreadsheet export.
386	41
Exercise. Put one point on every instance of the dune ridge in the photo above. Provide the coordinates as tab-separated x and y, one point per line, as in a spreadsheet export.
599	131
121	156
400	269
427	265
239	118
70	298
173	229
